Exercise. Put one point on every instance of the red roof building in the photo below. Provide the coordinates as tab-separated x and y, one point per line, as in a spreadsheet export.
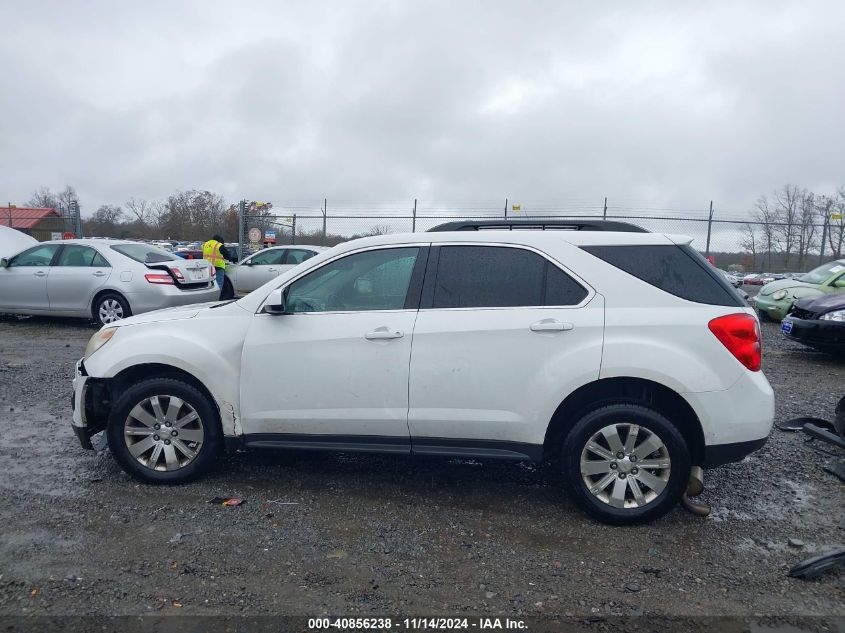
38	222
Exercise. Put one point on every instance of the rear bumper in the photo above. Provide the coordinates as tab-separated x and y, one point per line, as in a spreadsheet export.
735	421
718	454
815	333
170	296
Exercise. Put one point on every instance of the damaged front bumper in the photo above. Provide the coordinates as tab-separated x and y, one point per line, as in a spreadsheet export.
90	396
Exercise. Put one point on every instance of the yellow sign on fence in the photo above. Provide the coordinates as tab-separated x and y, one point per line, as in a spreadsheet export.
516	207
835	216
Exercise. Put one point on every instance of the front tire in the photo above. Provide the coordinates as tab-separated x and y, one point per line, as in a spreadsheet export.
163	430
625	464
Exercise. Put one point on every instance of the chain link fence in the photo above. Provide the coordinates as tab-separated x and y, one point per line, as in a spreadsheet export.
734	243
43	223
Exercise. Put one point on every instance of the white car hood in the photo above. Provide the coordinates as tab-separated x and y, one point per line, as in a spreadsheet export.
167	314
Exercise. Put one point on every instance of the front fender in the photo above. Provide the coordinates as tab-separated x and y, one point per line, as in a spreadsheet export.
188	346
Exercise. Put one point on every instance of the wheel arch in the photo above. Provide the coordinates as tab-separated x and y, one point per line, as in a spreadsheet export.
137	373
631	390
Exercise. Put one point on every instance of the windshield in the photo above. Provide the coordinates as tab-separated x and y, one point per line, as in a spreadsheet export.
822	273
144	253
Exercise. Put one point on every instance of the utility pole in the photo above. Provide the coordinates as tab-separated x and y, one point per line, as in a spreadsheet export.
506	208
604	213
293	230
709	225
11	206
824	236
325	210
414	218
241	243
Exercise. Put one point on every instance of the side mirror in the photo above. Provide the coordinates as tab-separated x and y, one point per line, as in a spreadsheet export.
4	263
275	303
247	263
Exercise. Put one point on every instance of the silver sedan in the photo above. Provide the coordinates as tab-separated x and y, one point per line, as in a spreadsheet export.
259	268
104	279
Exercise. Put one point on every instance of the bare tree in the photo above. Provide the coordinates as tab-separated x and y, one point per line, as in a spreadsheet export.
144	211
787	202
43	198
766	216
836	227
748	241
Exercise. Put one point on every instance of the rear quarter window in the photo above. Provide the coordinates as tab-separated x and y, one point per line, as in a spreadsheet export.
678	270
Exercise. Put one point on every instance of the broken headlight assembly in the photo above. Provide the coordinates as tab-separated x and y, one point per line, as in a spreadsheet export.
98	340
836	315
780	294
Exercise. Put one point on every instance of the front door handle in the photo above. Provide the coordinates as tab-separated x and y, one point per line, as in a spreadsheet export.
551	325
40	273
383	333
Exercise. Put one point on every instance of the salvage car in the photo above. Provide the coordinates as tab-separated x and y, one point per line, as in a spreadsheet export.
570	345
776	298
259	268
106	280
818	323
13	241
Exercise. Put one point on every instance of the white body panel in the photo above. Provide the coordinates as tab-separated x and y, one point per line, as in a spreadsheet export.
484	374
317	373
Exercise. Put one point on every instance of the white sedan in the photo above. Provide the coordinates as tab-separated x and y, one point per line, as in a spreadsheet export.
259	268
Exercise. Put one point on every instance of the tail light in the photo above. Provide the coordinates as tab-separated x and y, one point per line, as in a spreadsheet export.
159	278
178	274
740	333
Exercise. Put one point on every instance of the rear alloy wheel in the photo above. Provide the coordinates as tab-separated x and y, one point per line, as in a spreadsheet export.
164	430
625	464
109	308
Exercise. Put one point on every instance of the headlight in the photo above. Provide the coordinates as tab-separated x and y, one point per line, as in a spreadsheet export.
836	315
98	340
780	294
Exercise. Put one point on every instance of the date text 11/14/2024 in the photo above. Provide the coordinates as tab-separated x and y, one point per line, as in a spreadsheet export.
432	623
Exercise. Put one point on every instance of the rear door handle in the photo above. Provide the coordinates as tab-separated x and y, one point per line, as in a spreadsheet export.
383	333
40	273
99	273
551	325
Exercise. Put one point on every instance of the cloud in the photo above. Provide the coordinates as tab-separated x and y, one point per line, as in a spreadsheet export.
650	104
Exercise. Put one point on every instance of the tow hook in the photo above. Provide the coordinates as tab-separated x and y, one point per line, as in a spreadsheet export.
694	488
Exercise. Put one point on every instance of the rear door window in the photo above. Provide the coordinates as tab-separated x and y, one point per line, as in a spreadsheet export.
295	256
498	277
76	255
678	270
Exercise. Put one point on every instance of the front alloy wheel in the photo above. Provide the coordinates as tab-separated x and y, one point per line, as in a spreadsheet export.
165	430
163	433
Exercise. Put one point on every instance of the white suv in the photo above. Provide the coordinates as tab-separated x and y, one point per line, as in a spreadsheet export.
617	353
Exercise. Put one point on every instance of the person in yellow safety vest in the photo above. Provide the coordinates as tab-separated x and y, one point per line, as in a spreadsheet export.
216	252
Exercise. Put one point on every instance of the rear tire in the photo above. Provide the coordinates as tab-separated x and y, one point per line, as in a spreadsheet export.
644	483
164	431
110	307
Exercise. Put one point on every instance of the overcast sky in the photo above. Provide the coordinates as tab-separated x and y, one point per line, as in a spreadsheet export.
652	104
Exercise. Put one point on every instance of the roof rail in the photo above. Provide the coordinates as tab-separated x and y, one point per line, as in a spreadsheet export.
558	224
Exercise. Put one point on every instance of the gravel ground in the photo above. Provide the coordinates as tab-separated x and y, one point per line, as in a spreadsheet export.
348	534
